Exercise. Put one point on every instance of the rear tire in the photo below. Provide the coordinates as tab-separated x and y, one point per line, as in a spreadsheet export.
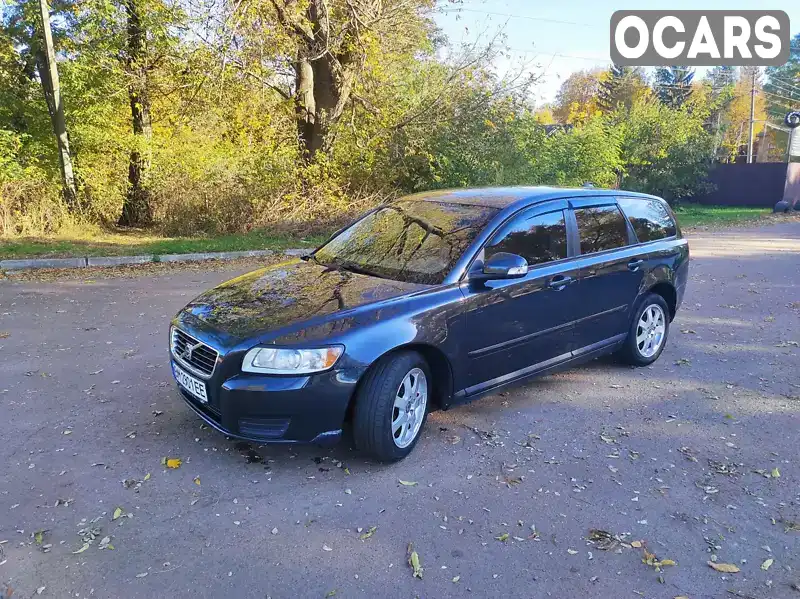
648	332
391	406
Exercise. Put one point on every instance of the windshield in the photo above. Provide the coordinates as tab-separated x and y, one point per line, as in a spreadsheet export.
412	240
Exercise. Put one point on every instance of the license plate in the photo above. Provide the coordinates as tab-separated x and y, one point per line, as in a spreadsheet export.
193	385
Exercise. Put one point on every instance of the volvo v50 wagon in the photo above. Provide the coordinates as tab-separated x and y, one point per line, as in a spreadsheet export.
427	302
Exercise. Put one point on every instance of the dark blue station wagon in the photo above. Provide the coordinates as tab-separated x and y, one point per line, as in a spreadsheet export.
426	302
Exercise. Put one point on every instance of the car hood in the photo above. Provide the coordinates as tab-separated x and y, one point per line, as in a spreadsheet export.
279	296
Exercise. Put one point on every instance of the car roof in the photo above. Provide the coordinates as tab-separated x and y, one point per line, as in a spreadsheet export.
502	197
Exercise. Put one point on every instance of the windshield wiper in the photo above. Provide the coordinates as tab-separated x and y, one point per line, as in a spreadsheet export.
348	266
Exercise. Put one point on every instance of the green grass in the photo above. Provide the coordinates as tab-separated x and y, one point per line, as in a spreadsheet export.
105	243
693	215
98	242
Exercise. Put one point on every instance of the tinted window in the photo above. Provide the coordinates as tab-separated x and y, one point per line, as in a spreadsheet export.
411	240
601	228
538	239
650	218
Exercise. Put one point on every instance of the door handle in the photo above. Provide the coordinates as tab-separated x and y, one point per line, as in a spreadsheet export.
559	282
635	264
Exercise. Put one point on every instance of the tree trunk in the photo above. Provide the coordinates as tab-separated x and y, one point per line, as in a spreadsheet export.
137	210
323	83
305	108
48	73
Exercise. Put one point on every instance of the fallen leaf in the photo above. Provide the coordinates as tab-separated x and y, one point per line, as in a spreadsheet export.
117	513
456	578
636	544
142	575
330	593
82	549
40	590
146	476
413	561
407	483
369	533
197	480
503	537
726	568
171	462
326	548
572	552
767	563
775	473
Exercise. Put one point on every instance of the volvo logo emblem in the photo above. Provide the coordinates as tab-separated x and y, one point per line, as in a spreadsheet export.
187	352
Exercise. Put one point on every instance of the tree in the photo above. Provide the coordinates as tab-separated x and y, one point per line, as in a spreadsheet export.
666	151
577	98
329	44
137	210
674	85
621	86
783	84
735	117
29	33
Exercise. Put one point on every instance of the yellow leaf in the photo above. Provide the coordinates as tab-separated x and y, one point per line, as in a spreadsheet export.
456	578
147	476
636	544
82	549
727	568
413	561
369	533
197	480
407	483
666	562
776	473
681	597
172	462
117	513
767	563
503	537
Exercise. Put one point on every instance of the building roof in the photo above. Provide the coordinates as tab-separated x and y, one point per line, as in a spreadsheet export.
500	197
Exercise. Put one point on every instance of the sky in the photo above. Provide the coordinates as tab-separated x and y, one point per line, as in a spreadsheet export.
560	37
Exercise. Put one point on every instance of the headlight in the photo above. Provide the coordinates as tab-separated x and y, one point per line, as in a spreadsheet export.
272	360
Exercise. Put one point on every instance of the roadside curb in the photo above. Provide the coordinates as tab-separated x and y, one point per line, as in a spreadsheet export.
87	261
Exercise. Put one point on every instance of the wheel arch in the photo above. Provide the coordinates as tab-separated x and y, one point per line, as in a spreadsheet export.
440	367
667	291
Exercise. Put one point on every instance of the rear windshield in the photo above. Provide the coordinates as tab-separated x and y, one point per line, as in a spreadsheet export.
409	240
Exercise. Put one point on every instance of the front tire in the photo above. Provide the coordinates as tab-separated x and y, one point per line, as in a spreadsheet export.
392	406
648	332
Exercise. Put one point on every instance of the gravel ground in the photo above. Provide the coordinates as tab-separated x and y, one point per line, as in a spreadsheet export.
693	459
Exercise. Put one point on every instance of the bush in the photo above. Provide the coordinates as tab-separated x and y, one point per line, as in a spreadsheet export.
30	203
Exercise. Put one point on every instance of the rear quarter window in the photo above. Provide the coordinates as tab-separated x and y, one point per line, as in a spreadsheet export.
650	219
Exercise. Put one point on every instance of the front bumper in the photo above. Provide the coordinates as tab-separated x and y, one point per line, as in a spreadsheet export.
278	409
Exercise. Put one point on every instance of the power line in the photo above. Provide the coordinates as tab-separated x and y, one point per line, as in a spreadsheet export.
512	16
559	54
782	82
784	90
794	100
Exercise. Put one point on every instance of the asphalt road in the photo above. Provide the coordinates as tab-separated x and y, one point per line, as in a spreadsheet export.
665	456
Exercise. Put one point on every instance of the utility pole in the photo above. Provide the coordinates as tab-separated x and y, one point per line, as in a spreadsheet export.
52	88
752	116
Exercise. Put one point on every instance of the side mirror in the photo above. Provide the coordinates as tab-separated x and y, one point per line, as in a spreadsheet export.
503	265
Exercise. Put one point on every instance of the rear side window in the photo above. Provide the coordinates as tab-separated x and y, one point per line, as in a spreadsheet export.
538	239
601	228
650	218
